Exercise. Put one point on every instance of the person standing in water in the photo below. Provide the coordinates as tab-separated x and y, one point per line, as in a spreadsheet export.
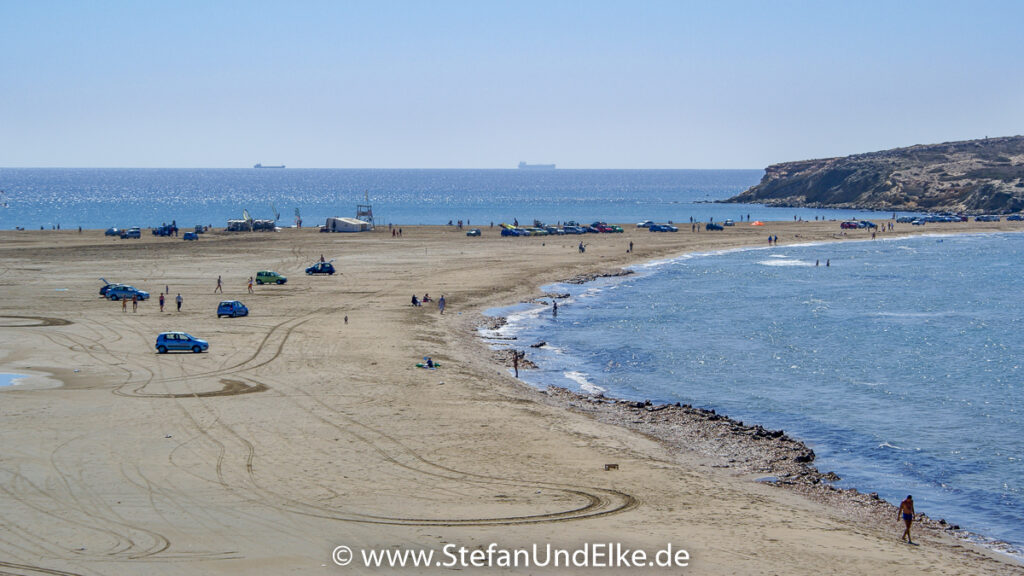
906	513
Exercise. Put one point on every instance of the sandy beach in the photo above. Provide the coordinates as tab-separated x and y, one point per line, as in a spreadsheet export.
308	426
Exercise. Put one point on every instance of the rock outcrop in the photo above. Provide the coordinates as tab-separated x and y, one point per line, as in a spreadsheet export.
972	177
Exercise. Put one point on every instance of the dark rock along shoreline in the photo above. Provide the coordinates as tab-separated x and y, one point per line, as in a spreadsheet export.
971	177
781	460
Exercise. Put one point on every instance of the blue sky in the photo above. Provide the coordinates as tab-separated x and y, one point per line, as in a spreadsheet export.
437	84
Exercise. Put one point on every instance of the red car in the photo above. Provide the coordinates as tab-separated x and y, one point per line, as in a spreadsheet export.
848	225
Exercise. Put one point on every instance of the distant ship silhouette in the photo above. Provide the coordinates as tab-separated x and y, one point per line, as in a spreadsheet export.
258	165
525	166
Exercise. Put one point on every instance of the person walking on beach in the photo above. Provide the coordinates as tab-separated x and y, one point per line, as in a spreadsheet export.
178	299
250	285
554	308
906	512
441	303
515	362
135	303
124	304
219	288
161	302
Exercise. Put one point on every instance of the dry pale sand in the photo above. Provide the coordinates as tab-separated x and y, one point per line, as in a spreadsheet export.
298	432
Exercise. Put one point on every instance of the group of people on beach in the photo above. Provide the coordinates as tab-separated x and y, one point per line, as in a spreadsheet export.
441	303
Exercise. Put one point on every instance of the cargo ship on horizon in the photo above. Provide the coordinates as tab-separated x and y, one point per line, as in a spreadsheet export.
259	165
525	166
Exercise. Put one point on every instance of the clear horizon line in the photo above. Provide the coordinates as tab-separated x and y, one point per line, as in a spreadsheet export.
516	169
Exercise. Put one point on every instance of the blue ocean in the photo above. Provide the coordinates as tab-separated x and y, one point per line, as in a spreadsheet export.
101	198
899	362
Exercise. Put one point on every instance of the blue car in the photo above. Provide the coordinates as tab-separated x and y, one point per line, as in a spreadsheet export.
170	341
191	236
321	268
662	228
123	291
232	308
473	232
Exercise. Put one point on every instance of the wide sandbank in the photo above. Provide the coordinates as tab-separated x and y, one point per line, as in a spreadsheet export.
300	431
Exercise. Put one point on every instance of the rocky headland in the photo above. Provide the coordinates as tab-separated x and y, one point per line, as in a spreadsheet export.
971	177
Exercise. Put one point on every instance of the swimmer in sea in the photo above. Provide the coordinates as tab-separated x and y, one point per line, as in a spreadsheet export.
906	513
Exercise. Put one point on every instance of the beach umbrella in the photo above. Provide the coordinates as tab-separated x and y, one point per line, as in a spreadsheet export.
757	223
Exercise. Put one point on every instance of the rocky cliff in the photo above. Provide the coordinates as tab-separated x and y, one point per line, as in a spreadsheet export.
974	177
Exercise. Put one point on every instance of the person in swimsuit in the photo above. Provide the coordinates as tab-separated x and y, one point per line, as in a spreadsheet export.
906	512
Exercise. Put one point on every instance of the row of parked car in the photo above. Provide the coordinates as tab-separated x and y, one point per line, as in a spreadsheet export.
570	227
165	230
855	224
921	220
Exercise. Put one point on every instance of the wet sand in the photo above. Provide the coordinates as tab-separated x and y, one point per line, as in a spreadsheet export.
298	432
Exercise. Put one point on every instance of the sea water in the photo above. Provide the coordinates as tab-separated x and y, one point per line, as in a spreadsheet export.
899	361
100	198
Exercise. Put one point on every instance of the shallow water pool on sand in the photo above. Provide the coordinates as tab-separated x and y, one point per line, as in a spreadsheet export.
10	379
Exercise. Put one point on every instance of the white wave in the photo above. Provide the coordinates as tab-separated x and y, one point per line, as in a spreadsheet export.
787	262
912	314
891	446
585	385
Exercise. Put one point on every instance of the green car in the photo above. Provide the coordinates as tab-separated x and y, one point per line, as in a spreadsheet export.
269	277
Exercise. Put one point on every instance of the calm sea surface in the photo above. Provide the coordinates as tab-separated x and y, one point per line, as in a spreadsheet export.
100	198
900	364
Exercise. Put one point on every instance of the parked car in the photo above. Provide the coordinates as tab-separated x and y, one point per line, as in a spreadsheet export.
123	291
905	219
645	224
728	223
319	268
849	224
169	341
866	224
617	229
135	232
232	308
473	232
269	277
662	228
713	226
106	286
986	218
1014	218
112	232
572	229
191	236
918	222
